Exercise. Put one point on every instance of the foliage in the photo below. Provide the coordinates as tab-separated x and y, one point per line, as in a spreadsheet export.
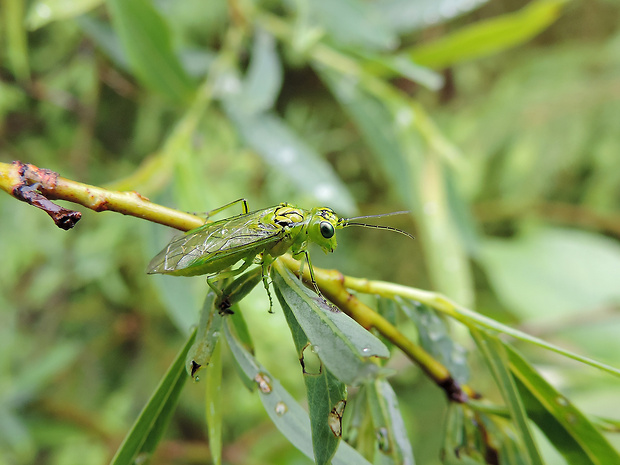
493	123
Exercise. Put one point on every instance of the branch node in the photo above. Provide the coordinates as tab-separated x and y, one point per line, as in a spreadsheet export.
453	390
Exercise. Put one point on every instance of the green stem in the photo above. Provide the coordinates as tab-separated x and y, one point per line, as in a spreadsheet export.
464	315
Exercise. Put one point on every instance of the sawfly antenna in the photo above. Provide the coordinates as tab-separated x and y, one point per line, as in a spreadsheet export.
345	222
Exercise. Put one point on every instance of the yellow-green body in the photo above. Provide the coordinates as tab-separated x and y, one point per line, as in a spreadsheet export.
253	237
268	233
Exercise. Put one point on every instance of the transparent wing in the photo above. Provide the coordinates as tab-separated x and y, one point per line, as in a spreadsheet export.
215	240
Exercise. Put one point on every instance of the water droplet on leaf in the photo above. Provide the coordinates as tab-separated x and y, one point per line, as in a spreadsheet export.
281	408
141	458
263	382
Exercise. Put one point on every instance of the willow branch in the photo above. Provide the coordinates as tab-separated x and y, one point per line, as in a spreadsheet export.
39	187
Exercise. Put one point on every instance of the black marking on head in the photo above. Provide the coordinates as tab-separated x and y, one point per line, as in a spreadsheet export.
326	213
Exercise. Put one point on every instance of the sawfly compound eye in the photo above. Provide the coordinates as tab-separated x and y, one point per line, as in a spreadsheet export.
327	229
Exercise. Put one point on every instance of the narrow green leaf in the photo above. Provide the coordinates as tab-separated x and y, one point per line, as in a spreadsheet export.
241	329
326	403
263	79
376	126
15	433
388	309
288	416
436	339
105	39
152	422
326	396
473	319
31	382
568	429
278	145
42	12
346	349
353	24
399	65
457	447
359	431
393	446
213	405
559	285
490	36
179	298
501	436
145	37
449	264
495	355
12	23
238	327
461	213
406	16
237	290
207	335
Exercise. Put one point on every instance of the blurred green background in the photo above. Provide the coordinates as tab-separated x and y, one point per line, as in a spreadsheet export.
495	123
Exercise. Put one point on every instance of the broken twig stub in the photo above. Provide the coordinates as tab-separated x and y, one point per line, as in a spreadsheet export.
32	186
